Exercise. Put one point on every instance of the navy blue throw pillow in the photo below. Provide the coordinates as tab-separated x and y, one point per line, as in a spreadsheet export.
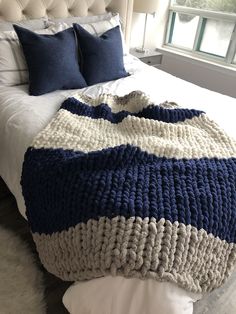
52	60
102	57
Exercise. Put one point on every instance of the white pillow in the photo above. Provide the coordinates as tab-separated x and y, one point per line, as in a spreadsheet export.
119	295
96	28
34	24
13	68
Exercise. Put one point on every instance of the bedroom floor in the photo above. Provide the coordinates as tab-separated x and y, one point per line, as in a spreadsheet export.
11	219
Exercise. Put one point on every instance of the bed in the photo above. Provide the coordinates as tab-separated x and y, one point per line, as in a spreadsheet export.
22	117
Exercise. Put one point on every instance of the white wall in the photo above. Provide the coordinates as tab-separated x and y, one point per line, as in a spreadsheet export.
155	26
197	72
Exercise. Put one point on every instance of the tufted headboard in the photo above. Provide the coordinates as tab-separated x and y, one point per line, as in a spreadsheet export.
17	10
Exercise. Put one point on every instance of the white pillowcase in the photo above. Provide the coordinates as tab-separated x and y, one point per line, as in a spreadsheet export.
34	24
95	25
119	295
13	67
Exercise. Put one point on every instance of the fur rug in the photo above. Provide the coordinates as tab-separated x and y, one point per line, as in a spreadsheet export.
220	301
21	286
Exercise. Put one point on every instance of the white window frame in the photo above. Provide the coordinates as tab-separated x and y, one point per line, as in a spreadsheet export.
203	16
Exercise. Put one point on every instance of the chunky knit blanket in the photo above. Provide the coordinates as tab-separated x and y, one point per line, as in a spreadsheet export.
119	186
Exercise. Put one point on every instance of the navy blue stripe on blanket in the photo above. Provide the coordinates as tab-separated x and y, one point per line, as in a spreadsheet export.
63	188
103	111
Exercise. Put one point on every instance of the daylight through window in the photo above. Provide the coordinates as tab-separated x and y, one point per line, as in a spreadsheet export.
206	28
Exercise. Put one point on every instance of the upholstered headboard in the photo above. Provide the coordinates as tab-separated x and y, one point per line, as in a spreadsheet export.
17	10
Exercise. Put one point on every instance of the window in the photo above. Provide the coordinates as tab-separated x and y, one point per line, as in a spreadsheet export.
206	28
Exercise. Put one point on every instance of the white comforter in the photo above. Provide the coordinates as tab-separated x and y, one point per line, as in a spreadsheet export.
23	116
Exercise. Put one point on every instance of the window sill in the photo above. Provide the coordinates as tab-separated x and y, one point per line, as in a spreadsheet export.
193	58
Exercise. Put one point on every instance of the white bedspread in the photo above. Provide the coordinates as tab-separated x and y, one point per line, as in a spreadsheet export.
23	116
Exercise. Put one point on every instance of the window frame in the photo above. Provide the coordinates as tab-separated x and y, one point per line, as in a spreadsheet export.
228	60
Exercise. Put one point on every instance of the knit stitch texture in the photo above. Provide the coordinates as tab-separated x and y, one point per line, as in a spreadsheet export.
121	186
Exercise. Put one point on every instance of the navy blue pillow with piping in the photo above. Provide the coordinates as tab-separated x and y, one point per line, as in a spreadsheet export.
102	57
52	60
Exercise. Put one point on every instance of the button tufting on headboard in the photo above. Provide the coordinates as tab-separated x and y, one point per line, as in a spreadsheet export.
16	10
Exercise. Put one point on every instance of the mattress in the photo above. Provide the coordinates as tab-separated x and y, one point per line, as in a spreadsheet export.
23	116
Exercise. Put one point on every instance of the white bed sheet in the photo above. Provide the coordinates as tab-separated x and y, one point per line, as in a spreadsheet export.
23	116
